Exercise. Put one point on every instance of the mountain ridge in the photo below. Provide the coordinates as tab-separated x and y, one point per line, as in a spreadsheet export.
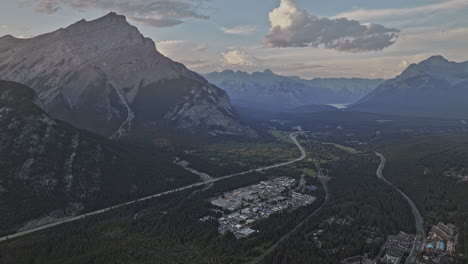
434	87
90	73
276	91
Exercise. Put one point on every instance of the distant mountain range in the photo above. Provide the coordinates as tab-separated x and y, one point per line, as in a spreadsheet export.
50	169
269	90
105	76
435	87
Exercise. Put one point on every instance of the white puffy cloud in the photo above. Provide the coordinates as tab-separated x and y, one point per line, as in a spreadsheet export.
239	30
156	13
293	27
239	58
190	53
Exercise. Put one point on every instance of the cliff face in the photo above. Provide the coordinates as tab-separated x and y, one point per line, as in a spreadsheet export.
48	166
91	73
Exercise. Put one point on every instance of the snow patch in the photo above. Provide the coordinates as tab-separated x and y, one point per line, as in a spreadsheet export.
126	126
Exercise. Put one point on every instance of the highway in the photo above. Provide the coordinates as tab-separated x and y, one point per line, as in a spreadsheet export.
293	137
419	221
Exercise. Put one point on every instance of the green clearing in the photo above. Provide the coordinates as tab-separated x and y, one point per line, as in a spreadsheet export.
223	158
348	149
309	172
280	135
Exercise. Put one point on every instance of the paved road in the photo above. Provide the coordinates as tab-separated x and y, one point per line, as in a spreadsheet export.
323	181
419	221
293	137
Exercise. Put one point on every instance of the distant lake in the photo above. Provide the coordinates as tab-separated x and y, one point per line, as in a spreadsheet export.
340	106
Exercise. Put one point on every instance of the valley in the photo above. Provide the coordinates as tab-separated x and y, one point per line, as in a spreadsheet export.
280	136
332	155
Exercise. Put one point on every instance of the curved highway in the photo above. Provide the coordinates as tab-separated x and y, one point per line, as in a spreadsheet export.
293	137
419	221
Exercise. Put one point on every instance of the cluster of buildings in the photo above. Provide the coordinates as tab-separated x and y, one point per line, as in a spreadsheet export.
461	175
316	234
397	248
245	206
441	241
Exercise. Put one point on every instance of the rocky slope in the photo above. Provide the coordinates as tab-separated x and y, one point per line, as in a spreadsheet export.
49	169
106	77
266	89
435	87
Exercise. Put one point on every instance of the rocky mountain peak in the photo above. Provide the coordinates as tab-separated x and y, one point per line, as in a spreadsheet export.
268	71
437	59
110	19
111	28
430	88
98	74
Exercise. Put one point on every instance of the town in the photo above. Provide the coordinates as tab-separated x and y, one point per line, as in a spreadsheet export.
439	248
441	244
245	206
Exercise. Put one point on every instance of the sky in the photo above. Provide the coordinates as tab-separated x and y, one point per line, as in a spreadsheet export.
306	38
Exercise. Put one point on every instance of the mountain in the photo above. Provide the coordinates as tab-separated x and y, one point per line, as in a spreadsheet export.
346	90
105	76
266	89
49	169
435	87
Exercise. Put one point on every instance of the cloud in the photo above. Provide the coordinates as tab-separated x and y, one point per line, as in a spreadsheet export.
404	64
192	54
3	26
239	58
293	27
239	30
376	14
180	48
155	13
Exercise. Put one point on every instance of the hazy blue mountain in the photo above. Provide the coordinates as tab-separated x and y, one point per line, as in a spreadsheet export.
267	89
435	87
106	77
50	169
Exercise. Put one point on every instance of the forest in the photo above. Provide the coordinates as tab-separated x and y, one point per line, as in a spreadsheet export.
361	212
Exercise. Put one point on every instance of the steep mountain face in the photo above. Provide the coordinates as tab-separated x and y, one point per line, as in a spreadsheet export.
435	87
50	169
103	75
266	89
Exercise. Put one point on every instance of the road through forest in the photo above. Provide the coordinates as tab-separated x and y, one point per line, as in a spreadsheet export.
293	137
419	221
